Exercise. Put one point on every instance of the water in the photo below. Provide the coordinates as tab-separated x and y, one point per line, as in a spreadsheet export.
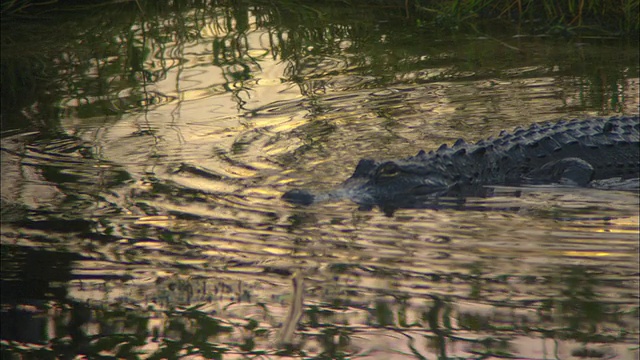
141	188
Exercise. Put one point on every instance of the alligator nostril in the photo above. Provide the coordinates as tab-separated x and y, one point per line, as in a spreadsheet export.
299	197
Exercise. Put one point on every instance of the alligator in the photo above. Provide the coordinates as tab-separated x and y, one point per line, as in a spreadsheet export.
573	153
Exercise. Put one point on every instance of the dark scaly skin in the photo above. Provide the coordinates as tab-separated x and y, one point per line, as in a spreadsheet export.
574	152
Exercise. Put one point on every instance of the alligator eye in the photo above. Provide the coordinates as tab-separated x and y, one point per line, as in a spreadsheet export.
388	169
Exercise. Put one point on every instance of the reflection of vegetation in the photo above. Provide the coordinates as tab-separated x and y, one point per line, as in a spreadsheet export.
191	332
123	331
79	62
578	305
101	59
325	332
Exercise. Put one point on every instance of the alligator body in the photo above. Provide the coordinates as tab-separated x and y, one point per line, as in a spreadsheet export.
575	152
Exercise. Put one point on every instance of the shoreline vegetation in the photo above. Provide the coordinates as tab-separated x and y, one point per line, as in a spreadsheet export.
564	18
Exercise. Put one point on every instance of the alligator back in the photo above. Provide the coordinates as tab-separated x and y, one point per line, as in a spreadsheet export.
610	146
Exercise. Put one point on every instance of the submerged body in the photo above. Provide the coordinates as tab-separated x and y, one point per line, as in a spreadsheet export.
574	152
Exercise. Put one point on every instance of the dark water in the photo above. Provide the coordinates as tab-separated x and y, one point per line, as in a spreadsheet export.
143	160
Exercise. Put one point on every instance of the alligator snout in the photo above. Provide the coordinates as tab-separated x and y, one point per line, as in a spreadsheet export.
299	197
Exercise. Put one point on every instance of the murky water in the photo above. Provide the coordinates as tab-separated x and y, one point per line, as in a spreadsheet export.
141	186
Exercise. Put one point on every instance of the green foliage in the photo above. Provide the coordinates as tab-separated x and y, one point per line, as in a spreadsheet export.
565	17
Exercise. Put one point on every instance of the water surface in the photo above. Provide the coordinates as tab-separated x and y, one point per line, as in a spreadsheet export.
142	175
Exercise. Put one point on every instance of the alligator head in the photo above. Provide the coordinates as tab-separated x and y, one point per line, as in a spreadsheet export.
389	183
